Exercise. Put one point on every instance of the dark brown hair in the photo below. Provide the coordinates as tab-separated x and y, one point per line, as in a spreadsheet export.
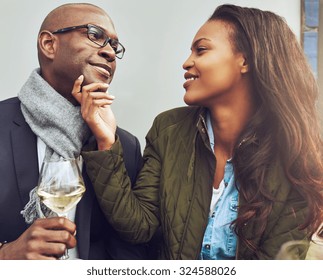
285	127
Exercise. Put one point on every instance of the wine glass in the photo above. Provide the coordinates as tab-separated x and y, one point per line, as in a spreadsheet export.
61	186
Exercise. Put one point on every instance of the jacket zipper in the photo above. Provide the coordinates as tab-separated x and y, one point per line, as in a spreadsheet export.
238	241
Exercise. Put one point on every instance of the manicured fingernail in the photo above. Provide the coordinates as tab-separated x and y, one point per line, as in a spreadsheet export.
80	77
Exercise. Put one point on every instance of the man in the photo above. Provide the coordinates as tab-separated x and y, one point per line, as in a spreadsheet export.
76	42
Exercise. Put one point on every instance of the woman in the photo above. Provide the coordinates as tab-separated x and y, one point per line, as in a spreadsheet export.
238	172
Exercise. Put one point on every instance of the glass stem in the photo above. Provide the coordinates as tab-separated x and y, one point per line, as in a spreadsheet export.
65	256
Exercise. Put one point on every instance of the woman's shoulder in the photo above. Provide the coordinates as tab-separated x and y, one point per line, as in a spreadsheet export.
174	123
179	114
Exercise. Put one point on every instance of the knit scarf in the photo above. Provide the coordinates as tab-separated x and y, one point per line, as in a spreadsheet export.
58	123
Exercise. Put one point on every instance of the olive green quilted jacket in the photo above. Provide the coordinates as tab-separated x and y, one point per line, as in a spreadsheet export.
174	190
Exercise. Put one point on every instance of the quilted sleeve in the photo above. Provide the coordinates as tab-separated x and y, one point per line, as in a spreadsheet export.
133	212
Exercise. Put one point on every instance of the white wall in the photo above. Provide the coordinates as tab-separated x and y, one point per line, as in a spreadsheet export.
156	34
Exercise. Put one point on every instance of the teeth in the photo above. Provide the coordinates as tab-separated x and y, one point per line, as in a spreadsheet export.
192	78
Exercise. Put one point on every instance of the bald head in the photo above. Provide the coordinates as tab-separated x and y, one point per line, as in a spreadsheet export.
65	55
67	15
71	14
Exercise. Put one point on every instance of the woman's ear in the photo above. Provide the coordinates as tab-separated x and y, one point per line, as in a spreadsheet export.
244	65
47	44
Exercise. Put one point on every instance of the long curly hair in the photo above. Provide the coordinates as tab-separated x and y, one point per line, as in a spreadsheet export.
285	126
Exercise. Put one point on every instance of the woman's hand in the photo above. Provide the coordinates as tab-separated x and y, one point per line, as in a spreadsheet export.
95	104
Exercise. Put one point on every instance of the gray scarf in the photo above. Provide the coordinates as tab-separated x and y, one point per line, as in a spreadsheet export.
55	121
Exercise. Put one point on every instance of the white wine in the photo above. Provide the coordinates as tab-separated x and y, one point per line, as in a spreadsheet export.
61	199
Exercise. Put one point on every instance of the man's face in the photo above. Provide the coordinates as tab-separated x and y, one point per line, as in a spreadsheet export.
76	54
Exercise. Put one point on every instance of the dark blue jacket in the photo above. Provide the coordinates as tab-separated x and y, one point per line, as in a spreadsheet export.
19	174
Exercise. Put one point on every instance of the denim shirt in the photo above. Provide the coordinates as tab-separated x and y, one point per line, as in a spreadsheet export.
220	240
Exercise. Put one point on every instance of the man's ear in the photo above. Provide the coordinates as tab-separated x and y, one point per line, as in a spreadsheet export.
47	44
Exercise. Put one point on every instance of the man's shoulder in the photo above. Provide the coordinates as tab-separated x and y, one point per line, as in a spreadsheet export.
13	101
127	139
9	107
126	135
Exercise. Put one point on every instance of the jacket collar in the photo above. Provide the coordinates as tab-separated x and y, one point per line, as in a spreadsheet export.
24	150
202	127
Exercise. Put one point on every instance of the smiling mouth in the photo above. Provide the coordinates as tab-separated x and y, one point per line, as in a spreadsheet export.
192	79
102	70
189	80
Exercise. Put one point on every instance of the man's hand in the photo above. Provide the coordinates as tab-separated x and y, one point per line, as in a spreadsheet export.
45	239
96	111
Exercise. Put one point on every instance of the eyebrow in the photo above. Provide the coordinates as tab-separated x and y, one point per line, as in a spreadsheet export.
199	40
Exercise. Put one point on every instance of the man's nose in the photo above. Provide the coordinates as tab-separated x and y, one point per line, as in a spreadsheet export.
108	53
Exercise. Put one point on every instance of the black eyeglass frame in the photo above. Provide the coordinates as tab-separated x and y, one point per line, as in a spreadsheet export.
108	40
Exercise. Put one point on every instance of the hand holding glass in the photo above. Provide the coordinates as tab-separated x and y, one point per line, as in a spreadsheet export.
315	250
303	249
60	186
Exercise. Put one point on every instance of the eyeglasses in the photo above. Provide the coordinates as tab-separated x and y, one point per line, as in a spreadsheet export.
97	36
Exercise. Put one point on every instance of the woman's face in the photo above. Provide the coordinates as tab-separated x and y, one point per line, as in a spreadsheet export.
213	70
